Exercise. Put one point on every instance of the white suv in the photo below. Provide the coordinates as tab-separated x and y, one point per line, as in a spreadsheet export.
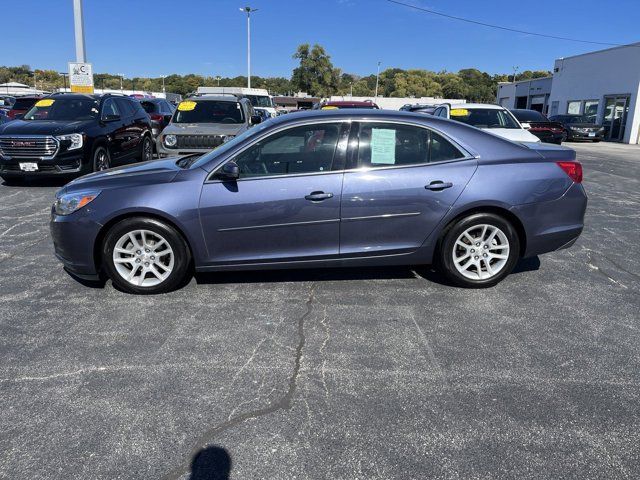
494	118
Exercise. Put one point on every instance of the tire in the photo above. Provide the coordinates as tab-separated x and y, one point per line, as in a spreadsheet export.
170	268
146	150
491	264
101	159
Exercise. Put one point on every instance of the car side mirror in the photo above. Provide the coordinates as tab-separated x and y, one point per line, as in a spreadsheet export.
255	119
111	118
229	171
526	126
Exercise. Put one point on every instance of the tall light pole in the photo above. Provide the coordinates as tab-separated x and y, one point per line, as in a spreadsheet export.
79	31
377	77
218	78
248	11
121	75
163	90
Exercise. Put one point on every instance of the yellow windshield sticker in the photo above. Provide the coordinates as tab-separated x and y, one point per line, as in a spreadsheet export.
329	107
459	112
186	106
45	102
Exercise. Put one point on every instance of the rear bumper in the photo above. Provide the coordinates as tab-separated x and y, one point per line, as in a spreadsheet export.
73	241
553	225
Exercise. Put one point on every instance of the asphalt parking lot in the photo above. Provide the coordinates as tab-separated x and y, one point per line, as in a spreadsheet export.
358	374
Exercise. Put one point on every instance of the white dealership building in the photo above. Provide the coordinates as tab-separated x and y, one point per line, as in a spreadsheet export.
602	85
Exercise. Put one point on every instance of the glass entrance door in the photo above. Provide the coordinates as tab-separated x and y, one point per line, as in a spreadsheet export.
615	117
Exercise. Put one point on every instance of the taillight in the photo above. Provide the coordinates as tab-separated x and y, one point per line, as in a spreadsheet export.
573	169
156	117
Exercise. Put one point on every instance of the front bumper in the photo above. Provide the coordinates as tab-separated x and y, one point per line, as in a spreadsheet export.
69	163
74	237
177	152
573	135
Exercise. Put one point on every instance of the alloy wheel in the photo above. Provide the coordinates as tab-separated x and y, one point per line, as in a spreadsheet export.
143	258
481	252
102	162
147	153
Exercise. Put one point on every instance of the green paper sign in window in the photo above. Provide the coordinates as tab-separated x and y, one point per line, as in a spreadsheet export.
383	146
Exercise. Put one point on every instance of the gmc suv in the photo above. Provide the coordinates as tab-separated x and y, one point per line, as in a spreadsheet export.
74	134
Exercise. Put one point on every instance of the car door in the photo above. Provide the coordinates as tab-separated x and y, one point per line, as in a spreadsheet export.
406	178
133	131
286	204
116	127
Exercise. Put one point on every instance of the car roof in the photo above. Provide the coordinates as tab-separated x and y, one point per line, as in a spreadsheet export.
346	103
216	98
471	106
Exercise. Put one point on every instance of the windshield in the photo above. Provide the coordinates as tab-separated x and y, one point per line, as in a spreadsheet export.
208	111
529	116
71	109
260	101
575	119
225	147
484	117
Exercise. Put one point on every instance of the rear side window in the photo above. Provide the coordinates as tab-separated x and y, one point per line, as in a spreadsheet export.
149	107
24	103
386	145
125	107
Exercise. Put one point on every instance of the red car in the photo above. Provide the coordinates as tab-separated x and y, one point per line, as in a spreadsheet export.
348	104
22	106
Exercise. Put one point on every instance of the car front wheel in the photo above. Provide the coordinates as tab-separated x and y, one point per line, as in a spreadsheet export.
479	250
147	150
145	256
101	159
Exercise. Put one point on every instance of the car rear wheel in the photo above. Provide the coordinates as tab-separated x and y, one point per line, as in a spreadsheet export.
101	159
145	256
147	150
479	251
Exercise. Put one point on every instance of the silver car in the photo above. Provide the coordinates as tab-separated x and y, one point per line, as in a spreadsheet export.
202	123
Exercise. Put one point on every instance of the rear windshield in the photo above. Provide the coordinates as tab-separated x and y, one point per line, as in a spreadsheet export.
529	116
61	108
483	117
24	103
193	111
150	107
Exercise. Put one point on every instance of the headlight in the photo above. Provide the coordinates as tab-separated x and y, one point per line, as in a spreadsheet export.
70	202
73	141
170	140
226	138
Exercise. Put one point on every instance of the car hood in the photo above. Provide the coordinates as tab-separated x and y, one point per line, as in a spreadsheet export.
513	134
203	129
146	173
43	127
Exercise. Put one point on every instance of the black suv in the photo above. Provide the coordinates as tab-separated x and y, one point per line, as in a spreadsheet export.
74	134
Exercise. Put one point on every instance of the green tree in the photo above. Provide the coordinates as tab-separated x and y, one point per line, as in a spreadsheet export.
315	73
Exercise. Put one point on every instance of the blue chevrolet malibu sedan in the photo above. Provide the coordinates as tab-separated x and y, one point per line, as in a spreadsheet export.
325	189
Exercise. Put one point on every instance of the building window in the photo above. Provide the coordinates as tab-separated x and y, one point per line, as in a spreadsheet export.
573	108
591	110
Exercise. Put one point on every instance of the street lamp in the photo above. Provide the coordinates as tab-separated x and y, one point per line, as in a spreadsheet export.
248	11
121	75
64	79
163	90
377	77
218	78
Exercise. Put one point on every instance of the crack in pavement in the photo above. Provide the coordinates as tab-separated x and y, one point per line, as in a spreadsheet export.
283	403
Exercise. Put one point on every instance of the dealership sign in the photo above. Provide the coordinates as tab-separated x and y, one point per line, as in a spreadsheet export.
81	77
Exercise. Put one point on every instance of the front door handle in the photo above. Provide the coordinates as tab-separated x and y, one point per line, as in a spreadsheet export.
318	196
438	185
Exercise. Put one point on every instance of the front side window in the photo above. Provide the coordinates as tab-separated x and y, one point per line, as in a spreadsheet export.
64	109
109	108
386	145
209	111
484	117
307	149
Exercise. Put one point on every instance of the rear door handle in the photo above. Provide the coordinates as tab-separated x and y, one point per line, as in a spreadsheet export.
438	185
318	196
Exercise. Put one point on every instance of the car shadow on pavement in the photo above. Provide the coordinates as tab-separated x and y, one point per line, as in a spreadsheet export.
37	182
211	463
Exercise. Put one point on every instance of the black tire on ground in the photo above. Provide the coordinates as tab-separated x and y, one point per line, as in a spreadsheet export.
444	255
101	159
146	150
181	252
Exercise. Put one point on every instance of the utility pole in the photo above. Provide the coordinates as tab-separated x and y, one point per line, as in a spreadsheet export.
377	77
121	75
351	87
248	11
515	72
79	30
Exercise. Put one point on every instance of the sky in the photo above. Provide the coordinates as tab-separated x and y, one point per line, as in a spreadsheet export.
208	37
